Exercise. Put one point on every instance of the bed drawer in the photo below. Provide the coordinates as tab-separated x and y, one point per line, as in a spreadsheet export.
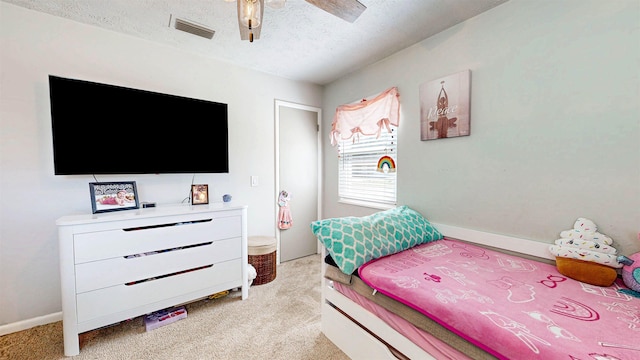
100	245
116	271
107	301
354	333
352	339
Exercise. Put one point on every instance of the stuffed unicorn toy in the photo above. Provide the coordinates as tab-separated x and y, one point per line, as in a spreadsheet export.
631	272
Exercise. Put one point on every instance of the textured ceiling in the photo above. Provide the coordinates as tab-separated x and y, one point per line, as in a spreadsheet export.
297	41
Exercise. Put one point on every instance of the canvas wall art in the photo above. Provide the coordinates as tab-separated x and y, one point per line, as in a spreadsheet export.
444	107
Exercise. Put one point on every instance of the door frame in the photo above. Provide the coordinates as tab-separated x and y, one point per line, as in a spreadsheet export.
277	105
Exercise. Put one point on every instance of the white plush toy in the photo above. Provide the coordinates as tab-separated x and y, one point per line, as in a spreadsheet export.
585	243
251	273
585	229
586	255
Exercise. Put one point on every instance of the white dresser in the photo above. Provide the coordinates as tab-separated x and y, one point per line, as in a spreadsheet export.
119	265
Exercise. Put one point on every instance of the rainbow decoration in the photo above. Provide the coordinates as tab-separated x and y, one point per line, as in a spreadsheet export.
388	162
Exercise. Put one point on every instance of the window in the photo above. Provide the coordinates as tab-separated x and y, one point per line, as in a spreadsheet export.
367	171
366	136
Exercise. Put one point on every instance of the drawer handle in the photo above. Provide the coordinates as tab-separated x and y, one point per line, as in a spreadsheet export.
167	275
156	252
167	225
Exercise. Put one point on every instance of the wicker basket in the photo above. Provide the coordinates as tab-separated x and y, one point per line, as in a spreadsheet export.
262	256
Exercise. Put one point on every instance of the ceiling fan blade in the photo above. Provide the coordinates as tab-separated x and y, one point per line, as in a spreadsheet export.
348	10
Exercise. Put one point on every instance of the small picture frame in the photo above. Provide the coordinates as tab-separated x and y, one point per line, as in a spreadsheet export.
199	194
113	196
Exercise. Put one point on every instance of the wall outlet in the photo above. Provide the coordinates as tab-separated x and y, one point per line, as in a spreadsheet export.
254	180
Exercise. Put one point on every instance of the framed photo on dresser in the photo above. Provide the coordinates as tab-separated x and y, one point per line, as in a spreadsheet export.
113	196
199	194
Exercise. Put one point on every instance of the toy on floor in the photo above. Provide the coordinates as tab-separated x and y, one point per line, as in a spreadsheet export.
586	255
631	273
164	317
219	295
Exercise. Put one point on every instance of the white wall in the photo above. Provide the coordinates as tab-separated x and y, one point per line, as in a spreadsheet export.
34	45
555	122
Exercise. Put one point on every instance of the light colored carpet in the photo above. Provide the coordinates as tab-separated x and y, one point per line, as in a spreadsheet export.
279	320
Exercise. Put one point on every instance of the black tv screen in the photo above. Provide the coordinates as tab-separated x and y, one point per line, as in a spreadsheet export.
106	129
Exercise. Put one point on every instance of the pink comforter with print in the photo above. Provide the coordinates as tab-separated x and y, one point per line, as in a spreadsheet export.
511	307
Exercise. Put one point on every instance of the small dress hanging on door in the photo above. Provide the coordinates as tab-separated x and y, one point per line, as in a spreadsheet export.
284	215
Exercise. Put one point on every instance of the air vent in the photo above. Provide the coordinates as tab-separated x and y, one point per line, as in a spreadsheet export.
192	28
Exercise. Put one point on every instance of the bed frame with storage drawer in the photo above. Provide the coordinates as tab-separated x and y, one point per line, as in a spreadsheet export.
120	265
360	334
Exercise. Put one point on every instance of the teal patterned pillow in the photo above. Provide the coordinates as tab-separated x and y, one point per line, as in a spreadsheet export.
352	241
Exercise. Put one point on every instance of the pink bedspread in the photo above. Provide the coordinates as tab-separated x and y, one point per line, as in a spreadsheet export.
512	307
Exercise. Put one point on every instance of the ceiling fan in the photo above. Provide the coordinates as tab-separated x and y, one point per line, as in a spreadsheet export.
348	10
250	13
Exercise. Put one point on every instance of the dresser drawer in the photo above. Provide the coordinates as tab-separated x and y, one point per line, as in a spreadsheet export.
119	298
101	245
116	271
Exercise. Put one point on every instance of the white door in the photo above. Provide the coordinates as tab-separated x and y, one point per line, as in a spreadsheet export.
298	175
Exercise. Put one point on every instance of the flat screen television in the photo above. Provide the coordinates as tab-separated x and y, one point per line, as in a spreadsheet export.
106	129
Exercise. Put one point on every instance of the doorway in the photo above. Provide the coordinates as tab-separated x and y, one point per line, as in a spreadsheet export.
298	173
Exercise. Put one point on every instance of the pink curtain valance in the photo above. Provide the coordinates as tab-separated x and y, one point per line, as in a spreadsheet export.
368	117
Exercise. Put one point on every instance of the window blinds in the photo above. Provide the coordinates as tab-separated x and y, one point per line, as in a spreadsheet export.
360	176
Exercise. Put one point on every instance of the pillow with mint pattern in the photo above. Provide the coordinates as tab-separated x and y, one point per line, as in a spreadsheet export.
352	241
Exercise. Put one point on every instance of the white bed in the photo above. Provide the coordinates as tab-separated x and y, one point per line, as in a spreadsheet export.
362	335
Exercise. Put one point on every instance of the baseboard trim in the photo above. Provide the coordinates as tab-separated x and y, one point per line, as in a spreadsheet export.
29	323
511	243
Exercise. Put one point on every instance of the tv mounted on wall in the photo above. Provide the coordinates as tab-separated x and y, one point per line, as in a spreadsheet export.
106	129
